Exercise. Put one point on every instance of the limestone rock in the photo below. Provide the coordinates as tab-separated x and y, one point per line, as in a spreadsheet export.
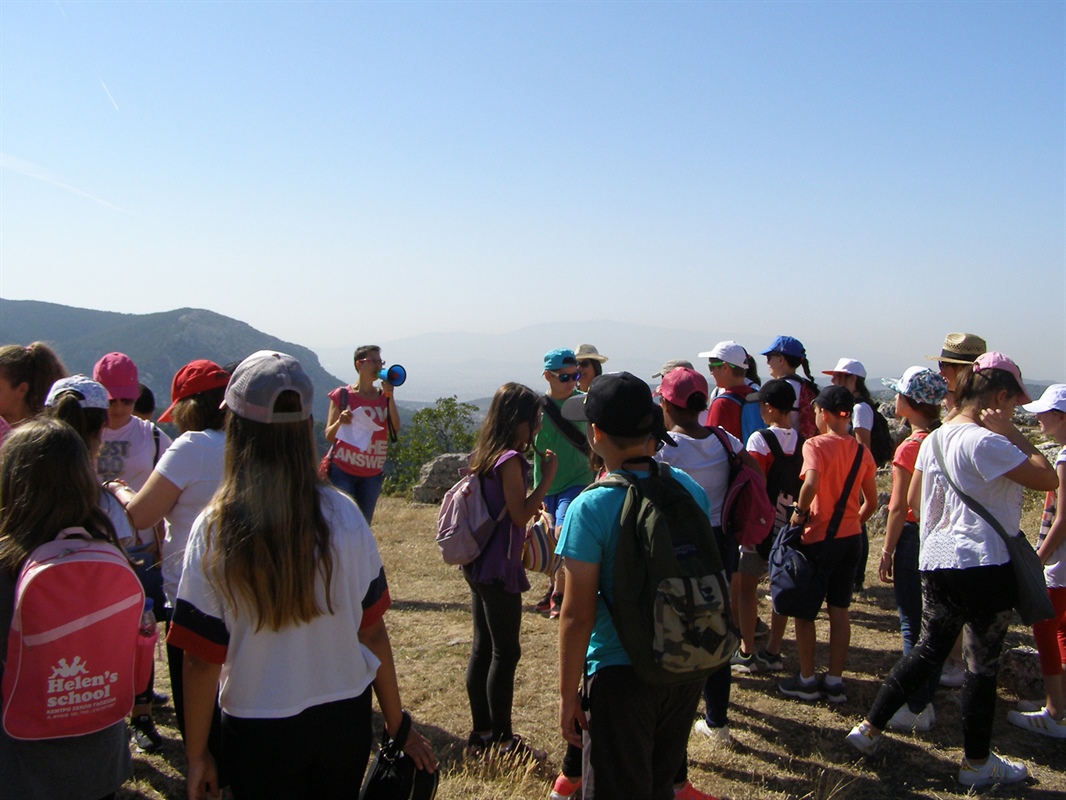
1019	671
437	477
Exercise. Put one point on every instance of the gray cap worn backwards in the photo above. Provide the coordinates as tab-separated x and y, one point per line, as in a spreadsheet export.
259	379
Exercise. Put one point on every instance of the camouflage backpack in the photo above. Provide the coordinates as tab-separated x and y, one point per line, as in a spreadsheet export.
671	603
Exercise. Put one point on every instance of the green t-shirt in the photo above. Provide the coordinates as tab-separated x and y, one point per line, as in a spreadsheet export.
573	467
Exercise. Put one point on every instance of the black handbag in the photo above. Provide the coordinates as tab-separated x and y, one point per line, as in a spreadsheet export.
1033	601
393	775
794	578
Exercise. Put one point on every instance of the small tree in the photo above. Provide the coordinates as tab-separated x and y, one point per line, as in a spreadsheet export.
446	427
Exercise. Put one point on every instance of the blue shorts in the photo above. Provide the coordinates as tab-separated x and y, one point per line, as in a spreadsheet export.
557	504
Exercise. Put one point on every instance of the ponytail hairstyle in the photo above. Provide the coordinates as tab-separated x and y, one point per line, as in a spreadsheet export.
87	422
512	405
752	371
796	362
47	483
976	389
36	365
862	392
267	538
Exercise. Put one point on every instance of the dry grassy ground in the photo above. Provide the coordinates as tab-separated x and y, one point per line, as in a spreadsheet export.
784	749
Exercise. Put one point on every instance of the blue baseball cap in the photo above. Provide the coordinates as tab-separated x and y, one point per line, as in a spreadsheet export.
786	345
557	359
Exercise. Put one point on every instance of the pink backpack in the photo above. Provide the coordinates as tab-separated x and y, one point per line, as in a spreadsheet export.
73	640
464	524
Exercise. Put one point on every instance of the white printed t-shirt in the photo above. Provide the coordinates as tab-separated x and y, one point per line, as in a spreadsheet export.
269	674
129	453
952	536
194	465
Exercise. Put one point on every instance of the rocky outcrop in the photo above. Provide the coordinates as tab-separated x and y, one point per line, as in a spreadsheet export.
437	477
1019	671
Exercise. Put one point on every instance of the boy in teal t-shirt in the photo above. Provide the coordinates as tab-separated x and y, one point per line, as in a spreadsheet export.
634	734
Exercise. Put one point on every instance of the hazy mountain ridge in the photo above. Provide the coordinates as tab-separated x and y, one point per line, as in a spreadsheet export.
158	343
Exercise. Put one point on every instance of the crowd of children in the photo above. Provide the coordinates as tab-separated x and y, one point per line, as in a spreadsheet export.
261	562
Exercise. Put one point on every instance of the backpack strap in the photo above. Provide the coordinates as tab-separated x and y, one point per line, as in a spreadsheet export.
838	511
772	444
342	404
155	437
723	439
565	426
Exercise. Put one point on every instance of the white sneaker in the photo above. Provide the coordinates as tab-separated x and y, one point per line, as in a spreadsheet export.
1038	722
863	739
951	676
995	770
926	719
902	720
718	736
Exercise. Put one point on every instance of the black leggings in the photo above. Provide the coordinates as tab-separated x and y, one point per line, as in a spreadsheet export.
979	602
494	657
321	752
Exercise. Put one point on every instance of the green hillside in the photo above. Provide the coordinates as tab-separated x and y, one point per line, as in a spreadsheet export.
158	343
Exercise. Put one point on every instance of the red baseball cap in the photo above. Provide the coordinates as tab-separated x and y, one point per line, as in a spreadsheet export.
195	377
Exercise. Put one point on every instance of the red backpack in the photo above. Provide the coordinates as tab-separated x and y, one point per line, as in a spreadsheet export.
73	640
747	513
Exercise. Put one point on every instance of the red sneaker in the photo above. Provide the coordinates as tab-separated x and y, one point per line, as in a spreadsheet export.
565	788
690	792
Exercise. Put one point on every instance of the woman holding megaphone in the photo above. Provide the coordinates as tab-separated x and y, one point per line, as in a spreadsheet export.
361	419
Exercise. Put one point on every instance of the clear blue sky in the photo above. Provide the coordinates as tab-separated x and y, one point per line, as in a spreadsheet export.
867	174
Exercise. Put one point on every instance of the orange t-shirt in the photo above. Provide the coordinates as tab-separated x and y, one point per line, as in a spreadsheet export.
831	456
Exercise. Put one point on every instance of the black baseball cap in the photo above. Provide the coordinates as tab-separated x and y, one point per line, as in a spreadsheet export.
836	400
621	404
778	393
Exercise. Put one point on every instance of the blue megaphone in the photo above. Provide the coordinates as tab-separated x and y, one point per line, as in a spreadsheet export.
394	375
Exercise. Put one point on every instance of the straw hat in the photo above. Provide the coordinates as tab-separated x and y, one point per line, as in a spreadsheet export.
961	348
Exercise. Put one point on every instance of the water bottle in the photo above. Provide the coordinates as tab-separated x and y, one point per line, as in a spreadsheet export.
147	634
148	629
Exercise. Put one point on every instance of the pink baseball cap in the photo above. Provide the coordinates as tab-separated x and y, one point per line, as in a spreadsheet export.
994	360
680	384
118	374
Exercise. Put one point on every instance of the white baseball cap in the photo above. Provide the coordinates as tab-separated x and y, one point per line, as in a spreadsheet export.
848	366
1053	399
728	351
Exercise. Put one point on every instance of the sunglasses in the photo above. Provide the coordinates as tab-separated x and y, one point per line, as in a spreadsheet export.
584	364
123	402
566	377
715	364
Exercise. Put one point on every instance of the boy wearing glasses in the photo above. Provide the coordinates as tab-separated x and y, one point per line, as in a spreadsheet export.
567	440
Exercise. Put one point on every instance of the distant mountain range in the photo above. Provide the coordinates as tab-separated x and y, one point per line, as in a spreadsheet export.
159	344
467	365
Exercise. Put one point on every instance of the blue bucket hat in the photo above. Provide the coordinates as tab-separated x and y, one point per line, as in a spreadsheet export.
557	359
786	345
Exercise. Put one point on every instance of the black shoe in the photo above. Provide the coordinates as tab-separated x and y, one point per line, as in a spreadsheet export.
144	735
160	699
